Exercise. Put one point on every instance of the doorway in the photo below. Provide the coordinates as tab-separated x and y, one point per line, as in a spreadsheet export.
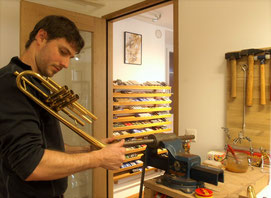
153	62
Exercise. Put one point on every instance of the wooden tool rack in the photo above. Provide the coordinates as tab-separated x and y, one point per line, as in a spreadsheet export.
257	114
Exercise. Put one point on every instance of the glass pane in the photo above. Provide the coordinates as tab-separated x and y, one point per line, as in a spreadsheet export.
78	78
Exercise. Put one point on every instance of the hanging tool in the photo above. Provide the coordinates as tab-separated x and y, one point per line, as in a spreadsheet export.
262	59
269	52
232	57
242	132
250	53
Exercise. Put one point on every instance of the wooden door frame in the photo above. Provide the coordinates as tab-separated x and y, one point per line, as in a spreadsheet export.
97	27
133	10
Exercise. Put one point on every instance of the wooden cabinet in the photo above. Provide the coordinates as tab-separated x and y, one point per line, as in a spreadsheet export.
139	111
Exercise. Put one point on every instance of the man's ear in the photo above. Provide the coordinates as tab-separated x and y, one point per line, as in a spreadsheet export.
41	36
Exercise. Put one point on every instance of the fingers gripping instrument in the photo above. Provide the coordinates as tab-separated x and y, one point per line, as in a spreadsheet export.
56	99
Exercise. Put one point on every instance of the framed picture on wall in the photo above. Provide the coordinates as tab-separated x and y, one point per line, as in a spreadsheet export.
132	48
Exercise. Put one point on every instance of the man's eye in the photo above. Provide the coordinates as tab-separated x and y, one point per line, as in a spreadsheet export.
62	52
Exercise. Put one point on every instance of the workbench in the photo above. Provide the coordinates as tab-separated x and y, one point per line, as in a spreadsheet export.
234	186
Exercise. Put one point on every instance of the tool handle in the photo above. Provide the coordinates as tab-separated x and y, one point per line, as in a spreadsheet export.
250	80
233	78
262	88
232	152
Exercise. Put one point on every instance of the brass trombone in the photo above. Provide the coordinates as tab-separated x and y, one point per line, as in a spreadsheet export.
58	99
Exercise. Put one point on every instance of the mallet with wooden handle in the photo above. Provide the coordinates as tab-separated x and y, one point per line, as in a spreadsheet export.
268	52
232	57
250	54
262	59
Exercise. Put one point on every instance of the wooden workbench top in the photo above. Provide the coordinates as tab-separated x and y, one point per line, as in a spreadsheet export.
234	186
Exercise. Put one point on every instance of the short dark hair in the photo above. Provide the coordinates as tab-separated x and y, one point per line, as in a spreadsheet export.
58	27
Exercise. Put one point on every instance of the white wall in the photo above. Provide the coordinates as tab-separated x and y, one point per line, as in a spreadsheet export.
153	52
207	30
9	30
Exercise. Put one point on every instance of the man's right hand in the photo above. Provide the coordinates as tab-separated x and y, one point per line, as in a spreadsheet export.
112	156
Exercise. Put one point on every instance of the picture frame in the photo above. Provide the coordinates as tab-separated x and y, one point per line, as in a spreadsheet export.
132	48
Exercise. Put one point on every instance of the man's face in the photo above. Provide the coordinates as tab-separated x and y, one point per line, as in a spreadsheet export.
53	56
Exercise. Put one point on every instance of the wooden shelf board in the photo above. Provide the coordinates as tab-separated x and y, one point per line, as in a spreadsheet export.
128	168
135	150
141	126
141	95
141	134
141	103
127	111
133	158
116	178
128	119
140	87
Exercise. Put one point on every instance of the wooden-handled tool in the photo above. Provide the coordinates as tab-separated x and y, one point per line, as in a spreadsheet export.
268	52
262	59
232	57
250	53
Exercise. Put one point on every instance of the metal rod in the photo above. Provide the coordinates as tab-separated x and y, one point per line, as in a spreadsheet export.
244	68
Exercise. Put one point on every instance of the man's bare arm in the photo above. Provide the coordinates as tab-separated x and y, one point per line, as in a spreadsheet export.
56	165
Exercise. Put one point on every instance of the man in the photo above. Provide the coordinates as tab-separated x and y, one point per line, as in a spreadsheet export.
34	162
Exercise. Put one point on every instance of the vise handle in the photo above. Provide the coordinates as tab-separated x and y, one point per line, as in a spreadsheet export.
154	140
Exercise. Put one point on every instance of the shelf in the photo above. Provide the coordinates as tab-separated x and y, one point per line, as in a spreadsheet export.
127	111
133	158
135	150
140	87
132	118
116	178
128	168
141	103
141	134
141	95
140	126
151	99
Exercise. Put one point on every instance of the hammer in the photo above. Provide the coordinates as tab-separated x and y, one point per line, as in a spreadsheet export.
268	52
262	59
232	57
250	53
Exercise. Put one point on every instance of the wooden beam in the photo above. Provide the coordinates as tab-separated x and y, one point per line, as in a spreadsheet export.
136	9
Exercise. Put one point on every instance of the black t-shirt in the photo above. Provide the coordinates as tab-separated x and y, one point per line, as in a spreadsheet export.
26	130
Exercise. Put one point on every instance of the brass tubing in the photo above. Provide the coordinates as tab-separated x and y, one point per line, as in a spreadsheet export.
79	114
54	83
65	98
67	102
57	94
75	104
31	84
73	117
80	132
